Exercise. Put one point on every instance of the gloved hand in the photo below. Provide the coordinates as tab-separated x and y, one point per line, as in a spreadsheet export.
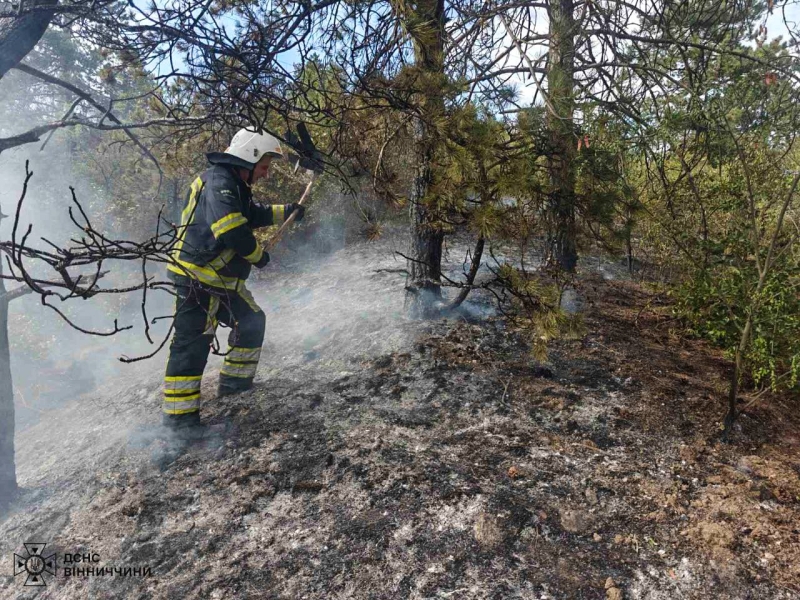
301	211
263	261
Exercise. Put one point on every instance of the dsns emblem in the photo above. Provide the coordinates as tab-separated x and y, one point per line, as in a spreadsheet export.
35	564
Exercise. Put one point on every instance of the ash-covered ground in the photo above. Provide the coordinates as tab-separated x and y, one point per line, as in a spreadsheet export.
384	458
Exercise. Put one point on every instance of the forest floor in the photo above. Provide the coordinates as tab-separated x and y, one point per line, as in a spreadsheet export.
384	458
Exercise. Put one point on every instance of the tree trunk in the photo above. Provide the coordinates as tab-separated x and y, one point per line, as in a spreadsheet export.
744	340
561	245
629	252
425	257
425	264
733	390
8	478
20	33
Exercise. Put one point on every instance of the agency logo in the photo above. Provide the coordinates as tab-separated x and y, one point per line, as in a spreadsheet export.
35	564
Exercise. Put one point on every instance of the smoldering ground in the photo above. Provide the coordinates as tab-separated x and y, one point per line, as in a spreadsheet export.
381	457
327	317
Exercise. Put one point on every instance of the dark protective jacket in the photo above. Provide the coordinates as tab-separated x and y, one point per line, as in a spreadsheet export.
216	245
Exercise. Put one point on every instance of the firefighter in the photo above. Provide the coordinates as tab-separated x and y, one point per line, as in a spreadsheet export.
212	258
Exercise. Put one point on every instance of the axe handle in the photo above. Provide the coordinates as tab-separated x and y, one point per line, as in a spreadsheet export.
273	241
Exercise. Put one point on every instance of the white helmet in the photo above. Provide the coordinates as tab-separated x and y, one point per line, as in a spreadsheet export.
251	146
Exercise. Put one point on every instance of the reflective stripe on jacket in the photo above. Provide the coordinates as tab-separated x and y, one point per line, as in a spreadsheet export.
216	245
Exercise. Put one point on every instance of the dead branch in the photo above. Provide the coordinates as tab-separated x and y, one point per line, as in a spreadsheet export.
473	271
92	250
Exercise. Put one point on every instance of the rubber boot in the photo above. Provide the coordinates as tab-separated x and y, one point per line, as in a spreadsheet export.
233	385
186	427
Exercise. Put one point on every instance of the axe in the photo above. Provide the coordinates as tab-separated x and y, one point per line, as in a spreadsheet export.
309	158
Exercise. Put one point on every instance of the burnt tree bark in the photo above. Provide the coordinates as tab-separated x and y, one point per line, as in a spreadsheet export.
21	31
561	248
425	266
8	477
427	235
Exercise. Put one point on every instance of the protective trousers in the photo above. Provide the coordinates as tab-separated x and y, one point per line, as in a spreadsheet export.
198	310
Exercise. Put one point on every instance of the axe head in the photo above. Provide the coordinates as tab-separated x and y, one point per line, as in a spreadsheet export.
305	138
310	157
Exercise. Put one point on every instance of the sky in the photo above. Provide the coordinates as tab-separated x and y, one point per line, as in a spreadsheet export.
785	12
525	86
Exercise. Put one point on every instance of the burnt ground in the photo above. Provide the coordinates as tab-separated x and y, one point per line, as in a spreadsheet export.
381	458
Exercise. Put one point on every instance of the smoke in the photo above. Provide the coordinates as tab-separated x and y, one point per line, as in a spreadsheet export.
331	313
345	307
52	363
331	299
338	307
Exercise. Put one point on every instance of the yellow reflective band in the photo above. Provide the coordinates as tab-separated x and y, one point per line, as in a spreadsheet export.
243	354
237	369
181	387
181	404
181	391
222	260
203	274
242	374
256	254
174	399
227	223
187	216
245	295
183	378
211	317
277	213
180	411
